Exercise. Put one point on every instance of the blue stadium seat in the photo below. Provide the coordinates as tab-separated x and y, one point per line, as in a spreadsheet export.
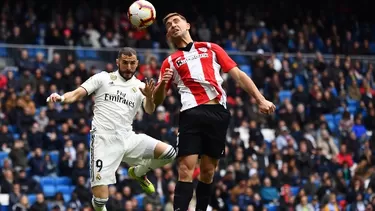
283	95
139	199
353	102
54	157
352	109
64	189
309	198
67	197
3	155
271	207
91	54
247	69
12	128
372	47
340	197
32	198
49	190
80	54
294	190
329	118
3	52
16	136
63	181
47	181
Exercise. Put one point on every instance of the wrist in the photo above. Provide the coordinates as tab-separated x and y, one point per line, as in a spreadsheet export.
259	99
62	98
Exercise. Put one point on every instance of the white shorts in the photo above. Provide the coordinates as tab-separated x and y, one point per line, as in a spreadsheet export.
108	150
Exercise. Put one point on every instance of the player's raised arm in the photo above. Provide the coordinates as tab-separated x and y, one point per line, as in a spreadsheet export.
165	80
88	87
147	91
245	82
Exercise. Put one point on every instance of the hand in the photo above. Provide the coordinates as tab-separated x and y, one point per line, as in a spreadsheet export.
266	107
55	98
149	88
167	76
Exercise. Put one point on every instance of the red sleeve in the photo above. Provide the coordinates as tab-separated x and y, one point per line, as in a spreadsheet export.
223	59
162	70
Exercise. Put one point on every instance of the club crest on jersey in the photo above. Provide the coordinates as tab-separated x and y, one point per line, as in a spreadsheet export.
98	177
113	77
204	50
134	89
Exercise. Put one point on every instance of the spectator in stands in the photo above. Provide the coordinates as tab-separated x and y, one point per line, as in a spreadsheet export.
40	203
22	204
19	154
37	164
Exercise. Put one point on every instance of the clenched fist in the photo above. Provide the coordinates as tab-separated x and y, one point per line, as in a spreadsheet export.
55	98
167	76
266	107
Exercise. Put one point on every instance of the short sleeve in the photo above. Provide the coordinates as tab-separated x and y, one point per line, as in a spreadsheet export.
162	71
223	58
141	96
93	83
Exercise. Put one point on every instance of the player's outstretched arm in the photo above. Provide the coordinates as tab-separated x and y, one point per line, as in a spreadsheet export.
165	80
69	97
148	91
248	85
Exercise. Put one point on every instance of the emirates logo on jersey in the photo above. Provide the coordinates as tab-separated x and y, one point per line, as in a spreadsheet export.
181	61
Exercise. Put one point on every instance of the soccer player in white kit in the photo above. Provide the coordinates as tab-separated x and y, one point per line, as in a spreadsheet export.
118	97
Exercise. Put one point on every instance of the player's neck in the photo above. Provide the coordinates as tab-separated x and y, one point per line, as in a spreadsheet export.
183	42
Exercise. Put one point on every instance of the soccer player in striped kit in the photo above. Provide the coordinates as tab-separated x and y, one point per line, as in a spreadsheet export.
195	69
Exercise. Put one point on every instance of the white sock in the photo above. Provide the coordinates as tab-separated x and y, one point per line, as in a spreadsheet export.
99	204
147	165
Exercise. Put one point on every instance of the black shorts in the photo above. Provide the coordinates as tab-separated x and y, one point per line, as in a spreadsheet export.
202	131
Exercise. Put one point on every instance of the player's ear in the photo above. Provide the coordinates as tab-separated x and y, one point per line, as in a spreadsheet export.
188	26
117	62
136	62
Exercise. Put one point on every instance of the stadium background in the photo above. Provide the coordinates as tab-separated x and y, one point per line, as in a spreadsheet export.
316	150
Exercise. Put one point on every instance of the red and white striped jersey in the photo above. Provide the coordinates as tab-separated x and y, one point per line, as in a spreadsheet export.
196	73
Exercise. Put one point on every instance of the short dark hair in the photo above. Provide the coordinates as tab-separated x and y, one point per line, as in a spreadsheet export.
171	15
127	51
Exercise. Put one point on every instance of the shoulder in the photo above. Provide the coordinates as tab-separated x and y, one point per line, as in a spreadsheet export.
139	83
101	75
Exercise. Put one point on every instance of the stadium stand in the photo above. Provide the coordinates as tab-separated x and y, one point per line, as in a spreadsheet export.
315	153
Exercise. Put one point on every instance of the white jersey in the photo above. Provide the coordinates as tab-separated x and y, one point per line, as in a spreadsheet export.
116	100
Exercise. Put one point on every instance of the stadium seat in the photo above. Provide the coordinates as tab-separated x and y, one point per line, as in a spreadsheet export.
16	136
54	157
63	181
12	128
67	197
91	54
3	155
64	189
246	69
353	103
32	198
3	52
329	118
80	54
47	181
271	207
49	190
340	197
283	95
352	109
294	190
139	199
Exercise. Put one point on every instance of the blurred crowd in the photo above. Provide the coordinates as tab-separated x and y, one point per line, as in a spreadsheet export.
319	158
239	28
